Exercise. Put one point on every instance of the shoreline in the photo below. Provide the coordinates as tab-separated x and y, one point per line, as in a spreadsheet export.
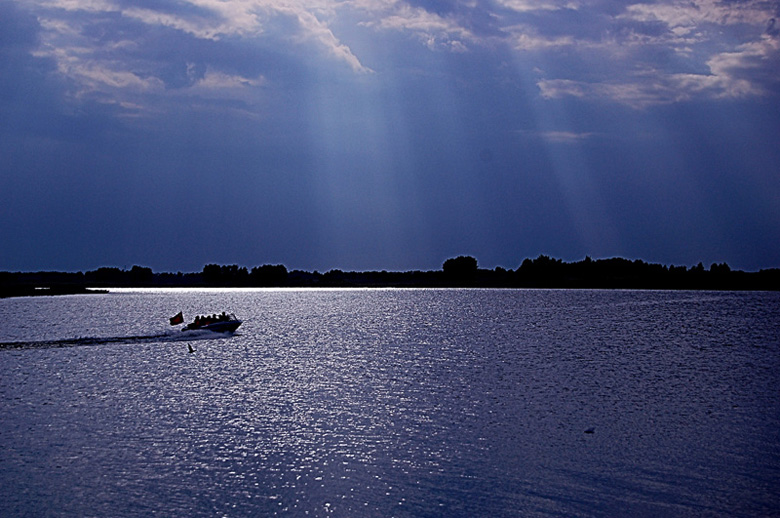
46	291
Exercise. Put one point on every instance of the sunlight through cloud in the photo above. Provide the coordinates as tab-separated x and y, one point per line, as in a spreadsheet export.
379	129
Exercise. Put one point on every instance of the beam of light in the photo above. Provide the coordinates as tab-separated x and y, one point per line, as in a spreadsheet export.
358	146
375	152
574	176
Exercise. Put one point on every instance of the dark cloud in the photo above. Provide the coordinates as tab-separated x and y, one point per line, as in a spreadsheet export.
31	92
772	29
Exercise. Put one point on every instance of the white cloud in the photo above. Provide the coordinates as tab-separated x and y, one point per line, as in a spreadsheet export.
556	88
319	31
637	94
99	77
689	15
219	81
526	38
79	5
216	19
523	6
726	48
433	30
751	69
650	88
645	54
198	27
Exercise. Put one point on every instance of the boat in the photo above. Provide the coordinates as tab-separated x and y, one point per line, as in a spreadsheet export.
224	323
225	326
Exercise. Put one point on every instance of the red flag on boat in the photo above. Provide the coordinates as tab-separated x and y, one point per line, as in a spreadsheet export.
177	319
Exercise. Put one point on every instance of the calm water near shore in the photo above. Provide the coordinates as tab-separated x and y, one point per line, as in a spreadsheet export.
408	403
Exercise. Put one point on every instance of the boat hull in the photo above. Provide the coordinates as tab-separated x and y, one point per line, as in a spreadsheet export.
228	326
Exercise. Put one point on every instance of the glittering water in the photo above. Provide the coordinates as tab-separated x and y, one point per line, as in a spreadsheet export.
392	403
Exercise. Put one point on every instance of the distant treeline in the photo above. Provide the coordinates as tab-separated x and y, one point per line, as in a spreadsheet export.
463	271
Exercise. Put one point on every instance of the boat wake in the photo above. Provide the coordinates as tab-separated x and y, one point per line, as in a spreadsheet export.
170	336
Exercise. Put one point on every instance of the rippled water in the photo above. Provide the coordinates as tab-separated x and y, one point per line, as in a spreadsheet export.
392	403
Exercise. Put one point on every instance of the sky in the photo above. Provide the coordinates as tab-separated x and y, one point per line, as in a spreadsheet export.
387	135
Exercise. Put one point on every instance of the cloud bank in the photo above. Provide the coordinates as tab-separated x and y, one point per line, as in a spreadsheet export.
645	53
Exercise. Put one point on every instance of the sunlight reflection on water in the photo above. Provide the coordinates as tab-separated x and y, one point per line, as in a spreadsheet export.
393	402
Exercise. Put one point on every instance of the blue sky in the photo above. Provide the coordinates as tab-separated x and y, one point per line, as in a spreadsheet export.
367	134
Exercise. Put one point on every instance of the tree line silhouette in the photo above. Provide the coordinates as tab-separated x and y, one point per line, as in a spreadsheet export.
462	271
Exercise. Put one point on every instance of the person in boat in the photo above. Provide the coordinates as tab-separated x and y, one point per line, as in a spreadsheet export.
205	320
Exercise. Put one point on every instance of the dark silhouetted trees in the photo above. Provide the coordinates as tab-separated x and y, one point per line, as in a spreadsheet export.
225	276
268	276
461	271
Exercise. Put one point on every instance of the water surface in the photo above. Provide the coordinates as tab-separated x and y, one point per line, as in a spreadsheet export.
392	403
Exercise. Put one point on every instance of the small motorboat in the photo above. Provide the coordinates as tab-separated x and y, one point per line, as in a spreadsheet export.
226	326
224	323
